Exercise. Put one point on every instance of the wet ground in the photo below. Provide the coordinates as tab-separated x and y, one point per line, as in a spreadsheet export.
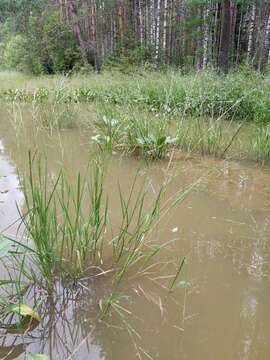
220	308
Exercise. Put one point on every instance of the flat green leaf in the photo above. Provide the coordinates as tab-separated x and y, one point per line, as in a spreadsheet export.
161	140
24	310
5	246
31	356
8	282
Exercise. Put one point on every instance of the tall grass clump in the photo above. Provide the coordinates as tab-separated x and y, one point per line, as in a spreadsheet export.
149	138
242	95
206	136
132	132
55	115
63	235
70	243
69	231
261	143
56	111
156	135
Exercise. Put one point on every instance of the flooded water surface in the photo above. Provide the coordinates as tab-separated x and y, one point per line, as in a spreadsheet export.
220	306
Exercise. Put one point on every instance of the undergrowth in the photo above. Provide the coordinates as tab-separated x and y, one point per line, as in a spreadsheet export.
241	95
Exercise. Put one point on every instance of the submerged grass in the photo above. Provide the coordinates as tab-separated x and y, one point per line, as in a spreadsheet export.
64	240
56	112
68	235
133	134
261	144
147	134
155	136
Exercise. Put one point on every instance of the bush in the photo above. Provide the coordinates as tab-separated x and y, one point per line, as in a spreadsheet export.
17	56
61	45
48	47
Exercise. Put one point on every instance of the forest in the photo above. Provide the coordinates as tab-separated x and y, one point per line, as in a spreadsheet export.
63	35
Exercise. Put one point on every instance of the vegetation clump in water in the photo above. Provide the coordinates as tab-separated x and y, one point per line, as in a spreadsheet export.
68	237
151	116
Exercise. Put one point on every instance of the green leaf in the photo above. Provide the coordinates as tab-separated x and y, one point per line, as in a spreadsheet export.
31	356
8	282
161	140
25	311
184	284
5	246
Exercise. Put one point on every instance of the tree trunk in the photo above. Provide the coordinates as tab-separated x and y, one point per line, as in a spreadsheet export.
206	37
239	33
78	32
161	30
121	14
267	42
224	52
94	36
250	32
233	27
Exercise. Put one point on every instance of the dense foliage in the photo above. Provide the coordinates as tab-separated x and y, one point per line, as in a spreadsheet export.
58	35
35	40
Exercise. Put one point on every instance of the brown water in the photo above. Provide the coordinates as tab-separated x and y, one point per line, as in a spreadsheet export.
220	309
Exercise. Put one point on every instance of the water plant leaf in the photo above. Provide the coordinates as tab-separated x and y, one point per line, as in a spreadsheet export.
8	282
31	356
25	311
5	246
184	284
161	140
170	141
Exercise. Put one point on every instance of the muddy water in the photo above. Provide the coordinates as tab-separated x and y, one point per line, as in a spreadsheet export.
220	310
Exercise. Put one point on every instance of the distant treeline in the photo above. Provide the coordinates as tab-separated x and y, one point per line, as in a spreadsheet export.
48	36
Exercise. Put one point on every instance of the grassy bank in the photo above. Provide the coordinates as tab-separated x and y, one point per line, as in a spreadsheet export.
242	95
152	113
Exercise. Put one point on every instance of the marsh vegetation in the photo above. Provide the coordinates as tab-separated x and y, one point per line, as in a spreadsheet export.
153	114
134	179
100	238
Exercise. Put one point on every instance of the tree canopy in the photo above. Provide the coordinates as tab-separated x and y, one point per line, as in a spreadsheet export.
59	35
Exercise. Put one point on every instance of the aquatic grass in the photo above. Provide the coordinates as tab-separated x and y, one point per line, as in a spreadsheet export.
137	247
239	95
31	356
206	137
132	245
68	234
55	111
173	282
108	132
261	143
132	132
68	230
55	115
156	136
154	114
63	238
70	242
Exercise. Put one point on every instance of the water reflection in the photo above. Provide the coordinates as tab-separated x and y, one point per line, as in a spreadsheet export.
10	194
